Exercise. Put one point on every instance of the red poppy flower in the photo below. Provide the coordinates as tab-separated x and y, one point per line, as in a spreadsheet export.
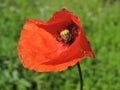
53	45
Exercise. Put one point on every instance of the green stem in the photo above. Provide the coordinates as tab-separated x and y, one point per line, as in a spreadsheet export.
80	75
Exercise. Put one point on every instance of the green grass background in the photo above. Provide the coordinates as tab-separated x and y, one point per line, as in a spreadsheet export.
101	23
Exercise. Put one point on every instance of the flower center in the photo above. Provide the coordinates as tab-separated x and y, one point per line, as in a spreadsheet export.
68	34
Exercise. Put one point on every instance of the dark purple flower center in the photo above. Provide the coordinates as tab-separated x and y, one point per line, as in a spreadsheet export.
68	34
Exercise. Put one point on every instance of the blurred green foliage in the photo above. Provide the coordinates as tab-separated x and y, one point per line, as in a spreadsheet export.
101	23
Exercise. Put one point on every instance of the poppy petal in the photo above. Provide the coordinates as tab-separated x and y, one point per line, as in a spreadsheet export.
60	15
33	45
57	67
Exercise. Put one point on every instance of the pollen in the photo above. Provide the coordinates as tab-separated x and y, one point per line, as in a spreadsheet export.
64	32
